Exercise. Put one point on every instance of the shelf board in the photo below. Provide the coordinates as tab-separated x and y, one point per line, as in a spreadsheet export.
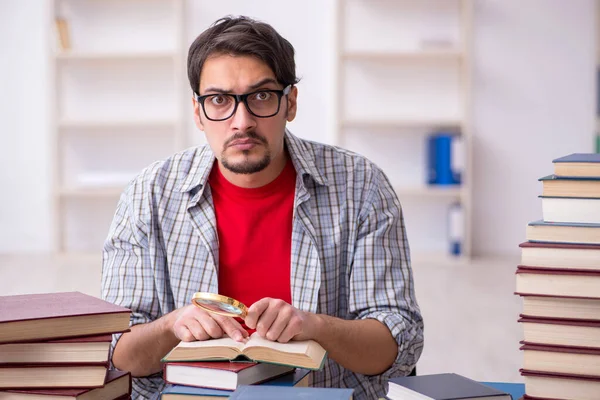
433	54
127	124
437	258
401	123
91	192
114	56
453	191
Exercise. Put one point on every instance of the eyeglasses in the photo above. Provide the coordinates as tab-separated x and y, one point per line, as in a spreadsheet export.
261	104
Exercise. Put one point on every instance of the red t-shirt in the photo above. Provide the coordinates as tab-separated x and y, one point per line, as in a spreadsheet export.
255	236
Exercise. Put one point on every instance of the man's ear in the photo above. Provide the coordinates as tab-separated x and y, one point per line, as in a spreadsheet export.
292	104
197	117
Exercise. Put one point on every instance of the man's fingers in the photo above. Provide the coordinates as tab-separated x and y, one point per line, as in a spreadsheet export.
255	311
211	326
231	327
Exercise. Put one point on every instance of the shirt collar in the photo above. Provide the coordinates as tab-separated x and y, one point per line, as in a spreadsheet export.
302	156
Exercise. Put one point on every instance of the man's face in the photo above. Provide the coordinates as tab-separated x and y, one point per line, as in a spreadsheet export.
244	143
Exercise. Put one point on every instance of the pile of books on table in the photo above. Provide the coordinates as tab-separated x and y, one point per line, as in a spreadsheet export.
56	346
559	281
218	368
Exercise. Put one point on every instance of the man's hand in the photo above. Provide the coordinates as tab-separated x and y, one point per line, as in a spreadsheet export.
276	320
193	324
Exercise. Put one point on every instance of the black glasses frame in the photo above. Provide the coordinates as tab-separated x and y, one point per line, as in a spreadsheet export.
244	98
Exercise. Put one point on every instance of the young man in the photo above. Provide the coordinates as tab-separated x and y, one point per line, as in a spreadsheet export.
310	237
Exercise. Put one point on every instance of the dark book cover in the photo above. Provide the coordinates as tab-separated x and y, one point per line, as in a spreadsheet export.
559	349
579	158
544	245
447	387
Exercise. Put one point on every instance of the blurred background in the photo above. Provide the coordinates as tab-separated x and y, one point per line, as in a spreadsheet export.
464	104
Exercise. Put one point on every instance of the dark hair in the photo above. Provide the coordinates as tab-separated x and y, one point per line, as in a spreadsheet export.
243	36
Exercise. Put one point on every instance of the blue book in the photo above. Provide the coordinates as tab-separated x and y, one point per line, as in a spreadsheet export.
516	390
578	164
441	387
444	159
290	393
175	391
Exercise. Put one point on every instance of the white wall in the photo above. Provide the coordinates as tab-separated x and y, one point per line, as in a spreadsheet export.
25	219
533	101
534	88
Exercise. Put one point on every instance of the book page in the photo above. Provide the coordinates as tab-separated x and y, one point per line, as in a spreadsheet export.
222	342
290	347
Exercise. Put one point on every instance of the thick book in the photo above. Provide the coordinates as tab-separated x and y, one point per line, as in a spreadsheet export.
35	317
561	307
561	332
571	209
578	164
560	386
290	393
52	376
570	186
561	359
301	354
441	387
90	349
221	375
560	255
117	386
557	282
299	378
563	232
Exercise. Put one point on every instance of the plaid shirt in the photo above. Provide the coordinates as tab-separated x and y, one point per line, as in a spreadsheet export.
350	257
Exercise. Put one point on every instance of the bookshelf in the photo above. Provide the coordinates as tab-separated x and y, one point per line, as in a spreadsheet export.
404	72
118	90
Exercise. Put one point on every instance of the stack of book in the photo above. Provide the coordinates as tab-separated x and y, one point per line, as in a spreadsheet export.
216	368
559	281
56	346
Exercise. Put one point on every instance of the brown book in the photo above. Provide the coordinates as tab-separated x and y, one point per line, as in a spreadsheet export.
560	386
91	349
559	332
117	386
562	307
562	186
47	376
556	282
561	255
36	317
301	354
559	232
561	359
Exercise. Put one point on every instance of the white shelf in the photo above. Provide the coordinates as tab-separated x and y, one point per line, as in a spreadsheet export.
453	191
125	124
391	56
91	193
114	56
437	259
382	124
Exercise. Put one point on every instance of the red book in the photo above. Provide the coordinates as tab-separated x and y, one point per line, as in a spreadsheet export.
558	282
52	376
545	385
90	349
117	386
221	375
561	255
36	317
561	332
561	307
561	359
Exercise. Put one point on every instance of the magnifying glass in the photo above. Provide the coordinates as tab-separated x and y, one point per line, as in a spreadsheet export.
219	304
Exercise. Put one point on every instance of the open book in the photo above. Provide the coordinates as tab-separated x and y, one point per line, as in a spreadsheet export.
302	354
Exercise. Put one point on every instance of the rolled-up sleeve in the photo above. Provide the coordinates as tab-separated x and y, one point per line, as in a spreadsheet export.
129	259
381	281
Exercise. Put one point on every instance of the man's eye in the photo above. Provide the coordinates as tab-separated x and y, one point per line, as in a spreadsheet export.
263	96
218	100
